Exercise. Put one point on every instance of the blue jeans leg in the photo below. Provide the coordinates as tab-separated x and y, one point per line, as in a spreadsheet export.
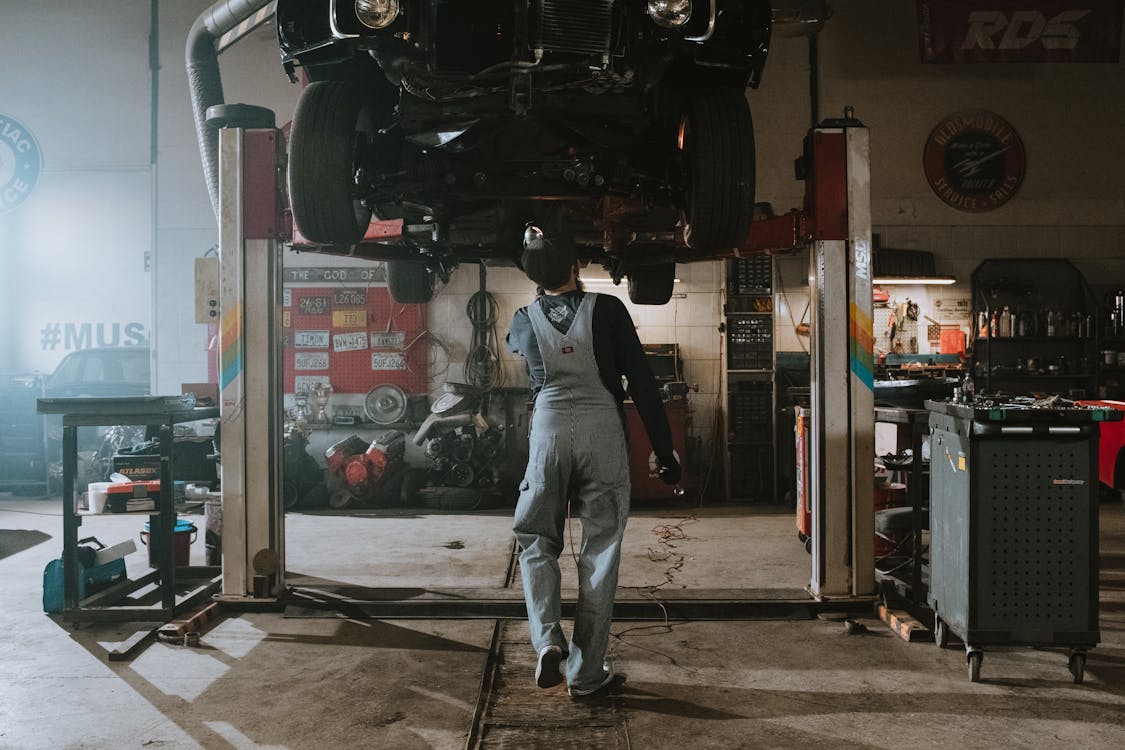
603	525
538	528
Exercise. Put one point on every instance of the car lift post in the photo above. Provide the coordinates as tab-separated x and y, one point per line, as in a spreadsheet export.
251	201
836	223
843	396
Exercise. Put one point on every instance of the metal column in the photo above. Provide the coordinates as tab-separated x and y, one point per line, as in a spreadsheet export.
843	427
250	202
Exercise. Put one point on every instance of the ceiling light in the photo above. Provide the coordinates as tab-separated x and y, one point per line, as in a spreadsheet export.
601	280
932	280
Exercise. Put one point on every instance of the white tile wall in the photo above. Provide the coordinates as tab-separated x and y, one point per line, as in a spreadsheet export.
691	320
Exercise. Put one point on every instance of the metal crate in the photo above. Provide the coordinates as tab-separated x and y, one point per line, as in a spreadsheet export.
751	411
750	275
751	473
1014	528
750	342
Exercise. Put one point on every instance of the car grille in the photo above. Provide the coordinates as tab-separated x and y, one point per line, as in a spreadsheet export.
575	25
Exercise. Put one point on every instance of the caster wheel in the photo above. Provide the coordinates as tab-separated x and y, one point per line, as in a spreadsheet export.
974	658
941	633
1078	666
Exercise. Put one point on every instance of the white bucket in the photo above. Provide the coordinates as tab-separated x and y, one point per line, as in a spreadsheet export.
96	496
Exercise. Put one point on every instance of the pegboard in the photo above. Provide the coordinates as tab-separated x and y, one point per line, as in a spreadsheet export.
355	338
1034	542
905	330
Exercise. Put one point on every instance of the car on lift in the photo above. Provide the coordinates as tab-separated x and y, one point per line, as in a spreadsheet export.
622	125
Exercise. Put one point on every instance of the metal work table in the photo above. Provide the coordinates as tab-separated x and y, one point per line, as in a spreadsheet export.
918	421
161	412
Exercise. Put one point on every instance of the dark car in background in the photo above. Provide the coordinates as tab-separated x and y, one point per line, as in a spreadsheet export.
622	125
95	373
31	444
108	371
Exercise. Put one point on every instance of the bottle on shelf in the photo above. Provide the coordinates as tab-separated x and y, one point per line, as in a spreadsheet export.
982	324
1051	323
993	325
1005	324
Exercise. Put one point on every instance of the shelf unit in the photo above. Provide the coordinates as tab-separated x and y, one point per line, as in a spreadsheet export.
1111	378
748	381
1032	289
23	449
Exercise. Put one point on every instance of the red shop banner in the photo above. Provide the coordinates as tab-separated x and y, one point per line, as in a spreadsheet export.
969	31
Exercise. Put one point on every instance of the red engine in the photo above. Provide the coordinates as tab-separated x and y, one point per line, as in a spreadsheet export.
362	472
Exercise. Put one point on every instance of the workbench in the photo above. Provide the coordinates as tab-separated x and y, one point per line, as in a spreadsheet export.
161	413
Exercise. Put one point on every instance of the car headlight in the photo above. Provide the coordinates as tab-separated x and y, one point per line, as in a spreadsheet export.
376	14
670	14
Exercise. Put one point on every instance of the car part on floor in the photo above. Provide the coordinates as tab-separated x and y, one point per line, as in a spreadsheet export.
366	473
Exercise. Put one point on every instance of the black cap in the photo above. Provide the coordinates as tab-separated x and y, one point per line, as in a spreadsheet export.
547	262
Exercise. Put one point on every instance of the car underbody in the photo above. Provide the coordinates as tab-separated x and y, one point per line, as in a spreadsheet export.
469	120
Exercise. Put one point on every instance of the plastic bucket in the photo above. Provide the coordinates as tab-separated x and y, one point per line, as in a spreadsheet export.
96	496
183	537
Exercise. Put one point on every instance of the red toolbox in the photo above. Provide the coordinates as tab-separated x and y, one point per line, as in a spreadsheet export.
127	496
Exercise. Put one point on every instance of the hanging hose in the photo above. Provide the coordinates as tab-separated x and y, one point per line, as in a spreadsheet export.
483	368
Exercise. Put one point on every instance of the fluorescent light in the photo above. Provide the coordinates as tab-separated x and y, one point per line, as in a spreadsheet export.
939	280
606	282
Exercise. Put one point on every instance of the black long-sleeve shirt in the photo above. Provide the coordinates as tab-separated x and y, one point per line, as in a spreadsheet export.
617	350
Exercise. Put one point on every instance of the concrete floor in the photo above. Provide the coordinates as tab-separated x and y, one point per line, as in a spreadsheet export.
267	681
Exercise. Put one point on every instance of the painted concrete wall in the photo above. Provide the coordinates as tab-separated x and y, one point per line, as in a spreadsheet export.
185	224
75	250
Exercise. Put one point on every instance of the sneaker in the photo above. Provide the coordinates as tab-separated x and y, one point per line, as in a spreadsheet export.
612	680
547	673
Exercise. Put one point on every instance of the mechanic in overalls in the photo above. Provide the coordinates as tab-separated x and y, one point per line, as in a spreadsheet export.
578	345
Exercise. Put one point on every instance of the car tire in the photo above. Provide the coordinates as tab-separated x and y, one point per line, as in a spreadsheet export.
720	158
328	125
410	282
651	285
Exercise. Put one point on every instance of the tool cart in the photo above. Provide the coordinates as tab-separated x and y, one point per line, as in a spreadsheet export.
1014	525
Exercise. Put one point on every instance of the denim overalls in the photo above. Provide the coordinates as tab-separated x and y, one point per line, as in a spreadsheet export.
577	453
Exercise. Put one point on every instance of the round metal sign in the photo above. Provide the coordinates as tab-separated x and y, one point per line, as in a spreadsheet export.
974	161
20	163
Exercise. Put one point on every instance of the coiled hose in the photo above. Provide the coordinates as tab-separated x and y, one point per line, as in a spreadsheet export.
483	367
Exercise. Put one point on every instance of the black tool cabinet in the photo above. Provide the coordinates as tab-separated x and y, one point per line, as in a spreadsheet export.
1014	528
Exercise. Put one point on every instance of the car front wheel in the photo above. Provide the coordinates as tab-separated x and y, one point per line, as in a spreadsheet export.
329	128
717	137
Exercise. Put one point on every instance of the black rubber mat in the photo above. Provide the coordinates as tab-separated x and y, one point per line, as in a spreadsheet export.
14	540
520	716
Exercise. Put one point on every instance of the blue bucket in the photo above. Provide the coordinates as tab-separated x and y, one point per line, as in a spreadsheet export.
184	534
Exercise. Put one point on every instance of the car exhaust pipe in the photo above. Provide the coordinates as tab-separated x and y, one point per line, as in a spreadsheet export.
205	81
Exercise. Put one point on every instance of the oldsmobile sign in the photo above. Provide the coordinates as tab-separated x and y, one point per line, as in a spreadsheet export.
20	163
